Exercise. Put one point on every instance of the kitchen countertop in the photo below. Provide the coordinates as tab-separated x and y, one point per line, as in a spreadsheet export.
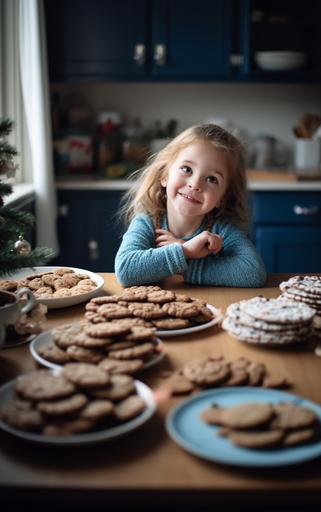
256	181
146	468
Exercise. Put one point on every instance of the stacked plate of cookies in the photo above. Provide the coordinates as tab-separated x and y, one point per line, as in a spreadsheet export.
272	322
306	290
117	348
80	404
151	306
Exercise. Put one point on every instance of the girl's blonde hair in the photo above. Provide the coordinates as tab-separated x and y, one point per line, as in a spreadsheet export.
147	195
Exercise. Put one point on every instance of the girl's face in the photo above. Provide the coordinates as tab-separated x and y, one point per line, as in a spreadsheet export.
196	181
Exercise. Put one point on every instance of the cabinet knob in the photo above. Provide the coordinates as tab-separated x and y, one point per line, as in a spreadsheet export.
139	54
93	250
160	54
237	60
305	210
63	210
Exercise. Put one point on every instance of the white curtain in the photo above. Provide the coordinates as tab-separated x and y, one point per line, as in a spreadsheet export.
35	88
11	103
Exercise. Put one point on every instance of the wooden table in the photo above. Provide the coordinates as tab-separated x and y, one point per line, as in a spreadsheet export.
146	468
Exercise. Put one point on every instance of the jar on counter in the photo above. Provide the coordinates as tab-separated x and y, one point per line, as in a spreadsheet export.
109	139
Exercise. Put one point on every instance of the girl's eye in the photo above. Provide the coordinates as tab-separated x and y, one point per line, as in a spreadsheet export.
186	169
212	179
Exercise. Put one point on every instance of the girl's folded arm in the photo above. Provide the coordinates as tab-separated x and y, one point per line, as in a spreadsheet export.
237	265
139	262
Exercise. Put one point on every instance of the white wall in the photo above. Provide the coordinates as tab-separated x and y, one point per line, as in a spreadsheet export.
258	108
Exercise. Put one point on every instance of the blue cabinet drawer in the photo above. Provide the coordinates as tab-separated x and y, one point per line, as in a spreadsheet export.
300	208
290	249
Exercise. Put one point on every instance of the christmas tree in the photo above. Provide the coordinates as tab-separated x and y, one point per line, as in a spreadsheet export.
15	252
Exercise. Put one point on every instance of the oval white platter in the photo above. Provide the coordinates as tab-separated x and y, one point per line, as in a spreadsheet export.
62	302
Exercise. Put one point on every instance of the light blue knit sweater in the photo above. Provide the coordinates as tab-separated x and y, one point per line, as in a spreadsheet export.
139	262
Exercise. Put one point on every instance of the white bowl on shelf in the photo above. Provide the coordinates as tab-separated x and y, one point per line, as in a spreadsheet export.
279	60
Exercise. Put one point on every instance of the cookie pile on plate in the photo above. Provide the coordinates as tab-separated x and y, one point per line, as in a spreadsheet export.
307	290
269	321
81	398
149	306
216	371
60	283
114	347
262	425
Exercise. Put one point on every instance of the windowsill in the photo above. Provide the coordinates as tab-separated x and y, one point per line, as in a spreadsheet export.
22	193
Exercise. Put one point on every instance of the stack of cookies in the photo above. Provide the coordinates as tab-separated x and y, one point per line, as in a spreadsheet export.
81	398
306	290
269	321
216	371
115	347
62	282
149	306
263	425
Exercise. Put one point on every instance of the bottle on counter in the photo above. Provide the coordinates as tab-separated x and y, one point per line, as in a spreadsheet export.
135	146
109	140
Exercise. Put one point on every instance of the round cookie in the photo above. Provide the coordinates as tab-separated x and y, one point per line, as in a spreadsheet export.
290	416
106	329
277	311
69	405
257	439
206	372
43	385
121	386
19	414
97	409
115	366
248	415
85	375
129	408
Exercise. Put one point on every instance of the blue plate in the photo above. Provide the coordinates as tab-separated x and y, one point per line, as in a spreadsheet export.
186	427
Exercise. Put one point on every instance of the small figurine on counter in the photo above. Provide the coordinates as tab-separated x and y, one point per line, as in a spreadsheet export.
187	215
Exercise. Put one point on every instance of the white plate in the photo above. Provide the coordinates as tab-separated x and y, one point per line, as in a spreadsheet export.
218	317
45	339
7	392
62	302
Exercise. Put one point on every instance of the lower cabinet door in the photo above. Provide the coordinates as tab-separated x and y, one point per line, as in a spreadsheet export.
289	249
89	229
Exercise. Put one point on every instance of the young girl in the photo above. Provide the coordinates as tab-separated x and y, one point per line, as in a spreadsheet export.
187	214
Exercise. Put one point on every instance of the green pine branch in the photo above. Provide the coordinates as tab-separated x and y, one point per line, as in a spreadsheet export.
11	262
7	152
5	189
19	218
6	126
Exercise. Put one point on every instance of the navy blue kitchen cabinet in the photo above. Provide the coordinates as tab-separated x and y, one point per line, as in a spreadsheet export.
183	40
140	39
88	229
287	230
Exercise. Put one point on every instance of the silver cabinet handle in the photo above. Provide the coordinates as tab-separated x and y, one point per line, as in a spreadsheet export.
305	210
93	250
160	54
236	60
63	210
139	54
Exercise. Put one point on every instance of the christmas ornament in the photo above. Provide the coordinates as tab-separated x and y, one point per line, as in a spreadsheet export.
22	247
8	169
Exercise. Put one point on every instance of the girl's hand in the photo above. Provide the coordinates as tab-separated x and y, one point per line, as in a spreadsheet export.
202	245
164	237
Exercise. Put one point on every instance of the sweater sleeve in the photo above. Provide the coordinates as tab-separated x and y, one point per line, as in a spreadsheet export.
237	265
139	262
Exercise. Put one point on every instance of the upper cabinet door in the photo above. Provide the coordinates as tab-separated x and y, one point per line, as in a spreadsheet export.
282	40
96	39
192	39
